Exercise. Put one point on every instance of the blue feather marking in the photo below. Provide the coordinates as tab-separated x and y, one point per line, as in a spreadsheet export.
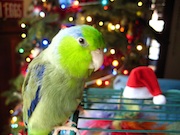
39	74
40	71
74	31
34	102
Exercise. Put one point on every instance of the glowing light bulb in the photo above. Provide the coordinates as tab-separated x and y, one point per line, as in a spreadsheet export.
112	51
140	3
45	42
122	29
43	0
89	19
63	6
23	35
28	59
106	83
114	72
14	125
71	19
105	7
21	50
109	26
139	13
139	47
35	52
104	2
117	26
113	27
125	72
11	111
99	82
115	63
42	14
23	25
76	3
32	51
14	119
105	50
101	23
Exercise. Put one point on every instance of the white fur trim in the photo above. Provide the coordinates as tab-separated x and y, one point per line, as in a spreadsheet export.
159	99
138	92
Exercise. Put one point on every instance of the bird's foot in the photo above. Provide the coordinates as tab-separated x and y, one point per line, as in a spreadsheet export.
67	126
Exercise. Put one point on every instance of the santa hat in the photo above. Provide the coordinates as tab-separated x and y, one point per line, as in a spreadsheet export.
142	84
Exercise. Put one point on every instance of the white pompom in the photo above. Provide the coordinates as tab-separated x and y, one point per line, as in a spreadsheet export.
159	99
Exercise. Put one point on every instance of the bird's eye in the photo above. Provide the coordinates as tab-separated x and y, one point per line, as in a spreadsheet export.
82	41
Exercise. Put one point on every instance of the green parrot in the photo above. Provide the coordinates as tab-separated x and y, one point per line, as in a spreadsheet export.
53	87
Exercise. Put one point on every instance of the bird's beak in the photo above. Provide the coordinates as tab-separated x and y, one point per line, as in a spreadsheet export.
97	59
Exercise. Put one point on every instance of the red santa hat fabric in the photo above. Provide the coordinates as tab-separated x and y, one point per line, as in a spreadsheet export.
142	84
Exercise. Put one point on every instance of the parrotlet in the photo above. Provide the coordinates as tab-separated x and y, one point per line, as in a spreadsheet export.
53	86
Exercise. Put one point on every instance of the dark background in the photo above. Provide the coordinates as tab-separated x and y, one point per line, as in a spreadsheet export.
10	36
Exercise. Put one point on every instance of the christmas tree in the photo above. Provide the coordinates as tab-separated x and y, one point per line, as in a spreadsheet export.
123	24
